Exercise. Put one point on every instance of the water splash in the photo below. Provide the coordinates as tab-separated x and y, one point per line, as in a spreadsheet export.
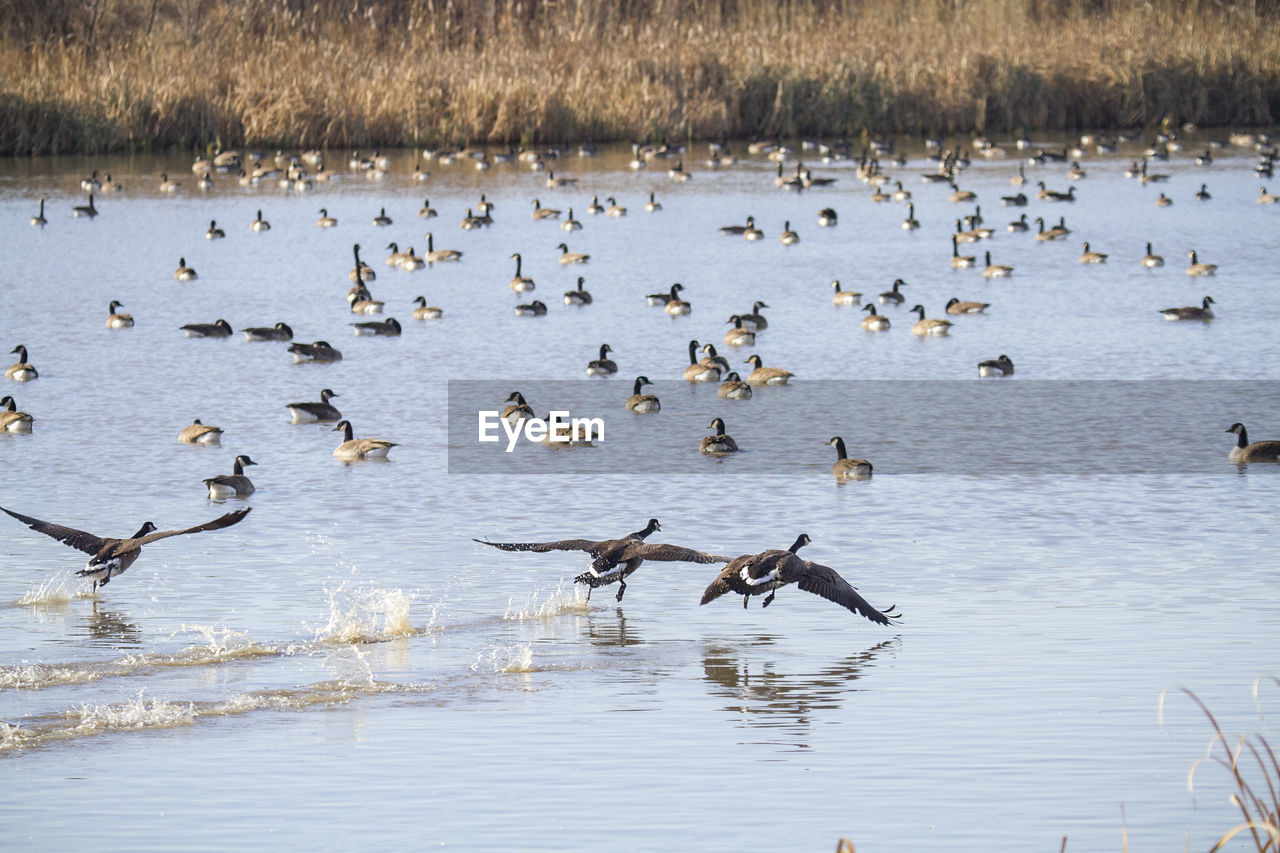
517	658
358	615
61	588
135	714
566	597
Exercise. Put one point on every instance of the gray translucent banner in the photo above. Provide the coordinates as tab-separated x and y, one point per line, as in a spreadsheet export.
979	427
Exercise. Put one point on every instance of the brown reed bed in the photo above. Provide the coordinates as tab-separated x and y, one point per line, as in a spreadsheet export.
110	75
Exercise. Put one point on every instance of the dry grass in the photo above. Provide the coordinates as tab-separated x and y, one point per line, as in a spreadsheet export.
100	75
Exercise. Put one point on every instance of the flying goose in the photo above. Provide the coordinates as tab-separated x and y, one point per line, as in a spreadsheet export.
602	366
85	209
788	236
577	297
39	219
844	297
652	205
217	329
425	311
761	375
674	305
1198	269
259	224
359	448
571	224
278	332
701	371
567	257
932	327
439	256
540	212
959	261
325	220
533	309
614	560
520	283
846	468
199	433
827	217
718	443
1001	366
110	557
754	319
769	571
426	211
213	232
184	272
11	420
1203	312
733	388
614	209
233	485
117	321
381	220
1259	451
893	297
955	306
389	327
361	272
874	322
995	270
642	404
739	336
318	351
305	413
1150	259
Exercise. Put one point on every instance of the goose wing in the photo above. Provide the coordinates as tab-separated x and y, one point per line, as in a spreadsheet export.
591	546
78	539
669	553
826	582
216	524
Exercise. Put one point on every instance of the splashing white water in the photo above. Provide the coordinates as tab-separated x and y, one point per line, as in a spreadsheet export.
364	616
517	658
566	597
61	588
135	714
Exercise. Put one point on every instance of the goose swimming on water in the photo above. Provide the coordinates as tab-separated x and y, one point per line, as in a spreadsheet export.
233	485
302	413
1258	451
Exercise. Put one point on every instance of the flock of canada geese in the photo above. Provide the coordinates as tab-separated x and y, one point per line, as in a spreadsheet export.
615	559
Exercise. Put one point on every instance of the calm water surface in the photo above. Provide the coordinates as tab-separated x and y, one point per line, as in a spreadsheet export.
348	669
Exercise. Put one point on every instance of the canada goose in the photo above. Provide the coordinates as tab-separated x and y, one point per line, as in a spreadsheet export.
1148	177
1020	178
1163	201
677	172
233	485
874	322
738	336
959	261
216	329
701	370
421	175
613	560
382	220
567	257
91	183
675	306
533	309
199	433
470	222
652	205
22	371
761	375
39	219
425	311
901	194
1202	194
325	220
595	208
359	448
962	236
733	388
893	297
540	212
317	351
769	571
1203	312
995	270
389	327
846	468
827	217
205	182
1001	366
751	233
1265	197
1076	173
1091	257
439	256
788	237
260	224
930	327
1198	269
614	209
520	283
879	196
12	420
1019	200
426	211
602	366
955	306
110	557
959	195
755	319
579	296
844	297
396	257
642	404
85	209
517	410
1259	451
303	413
910	223
718	443
362	302
738	230
184	272
411	262
1018	225
553	182
213	232
117	321
571	224
278	332
1057	232
168	186
1152	260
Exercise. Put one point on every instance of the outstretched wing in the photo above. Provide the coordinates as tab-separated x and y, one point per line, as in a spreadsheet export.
826	582
669	553
217	524
588	545
78	539
720	585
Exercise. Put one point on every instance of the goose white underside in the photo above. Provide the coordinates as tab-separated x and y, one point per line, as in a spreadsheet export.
23	375
17	425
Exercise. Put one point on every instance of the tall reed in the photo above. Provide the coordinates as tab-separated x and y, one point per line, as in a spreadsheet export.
102	75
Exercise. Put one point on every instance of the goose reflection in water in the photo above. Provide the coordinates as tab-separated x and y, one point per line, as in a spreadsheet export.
109	628
765	693
611	631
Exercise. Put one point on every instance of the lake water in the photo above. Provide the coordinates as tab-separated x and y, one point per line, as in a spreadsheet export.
347	669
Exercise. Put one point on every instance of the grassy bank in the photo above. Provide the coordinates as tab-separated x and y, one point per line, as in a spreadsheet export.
105	75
